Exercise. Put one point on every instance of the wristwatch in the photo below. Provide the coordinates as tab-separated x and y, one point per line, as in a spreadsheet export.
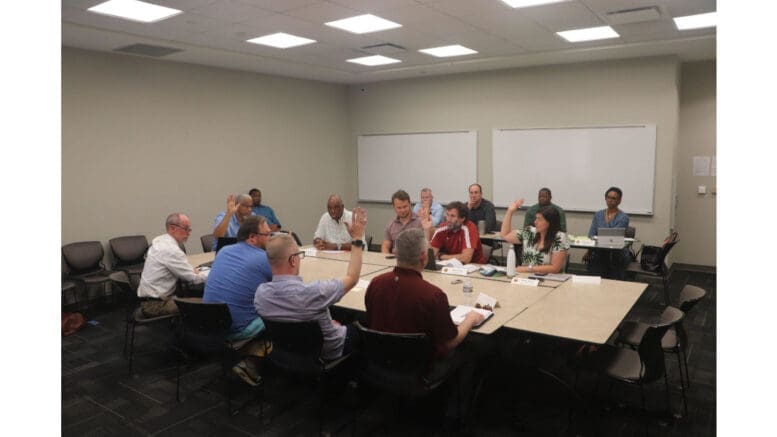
357	243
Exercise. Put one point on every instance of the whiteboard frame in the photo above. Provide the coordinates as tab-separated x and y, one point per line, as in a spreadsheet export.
650	129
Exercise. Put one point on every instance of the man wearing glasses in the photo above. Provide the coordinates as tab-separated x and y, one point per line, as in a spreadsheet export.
288	299
236	272
165	264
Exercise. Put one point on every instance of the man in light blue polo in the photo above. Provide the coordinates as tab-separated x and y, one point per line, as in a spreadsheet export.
227	223
428	206
236	273
264	210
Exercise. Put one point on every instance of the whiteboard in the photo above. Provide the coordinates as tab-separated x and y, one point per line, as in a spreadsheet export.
446	162
577	164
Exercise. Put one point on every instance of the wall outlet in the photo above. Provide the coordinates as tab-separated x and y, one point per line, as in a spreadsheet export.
702	189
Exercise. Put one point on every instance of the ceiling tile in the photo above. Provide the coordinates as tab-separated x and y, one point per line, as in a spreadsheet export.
321	13
233	11
465	8
281	5
562	16
373	6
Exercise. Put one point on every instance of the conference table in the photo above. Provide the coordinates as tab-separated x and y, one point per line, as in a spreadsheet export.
581	311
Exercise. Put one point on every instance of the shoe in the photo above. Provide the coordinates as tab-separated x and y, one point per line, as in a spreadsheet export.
247	374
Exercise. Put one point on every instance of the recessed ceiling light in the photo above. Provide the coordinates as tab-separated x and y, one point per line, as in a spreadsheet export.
447	51
374	60
363	24
527	3
589	34
134	10
710	19
281	40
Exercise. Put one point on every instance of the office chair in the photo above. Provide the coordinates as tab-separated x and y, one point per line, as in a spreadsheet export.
207	241
635	268
84	265
129	255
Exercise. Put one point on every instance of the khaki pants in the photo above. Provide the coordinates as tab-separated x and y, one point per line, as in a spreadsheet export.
159	307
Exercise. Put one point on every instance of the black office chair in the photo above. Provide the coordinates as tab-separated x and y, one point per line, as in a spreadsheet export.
635	268
641	366
296	350
205	328
134	315
207	242
129	255
84	265
398	364
674	341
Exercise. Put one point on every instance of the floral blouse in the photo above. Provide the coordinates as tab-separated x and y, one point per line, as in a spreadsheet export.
531	254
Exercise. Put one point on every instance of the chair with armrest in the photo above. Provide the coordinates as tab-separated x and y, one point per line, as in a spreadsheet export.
205	329
674	341
635	268
641	366
207	241
129	255
83	261
295	236
296	350
134	315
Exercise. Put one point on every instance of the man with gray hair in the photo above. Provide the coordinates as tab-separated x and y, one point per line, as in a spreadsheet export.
401	301
428	207
228	222
288	299
165	265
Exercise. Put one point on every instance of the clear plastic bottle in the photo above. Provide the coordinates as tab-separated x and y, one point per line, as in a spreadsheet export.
467	289
510	269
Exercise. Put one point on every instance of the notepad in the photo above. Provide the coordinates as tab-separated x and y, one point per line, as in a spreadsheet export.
459	313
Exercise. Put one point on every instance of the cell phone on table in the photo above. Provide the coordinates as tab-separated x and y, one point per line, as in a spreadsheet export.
390	256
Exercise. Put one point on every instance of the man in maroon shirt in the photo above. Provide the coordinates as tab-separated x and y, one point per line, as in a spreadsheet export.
402	302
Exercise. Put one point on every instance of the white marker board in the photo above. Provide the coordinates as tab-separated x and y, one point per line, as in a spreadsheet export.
446	162
577	164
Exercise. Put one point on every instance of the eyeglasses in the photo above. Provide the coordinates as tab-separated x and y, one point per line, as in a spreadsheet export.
188	229
300	254
611	197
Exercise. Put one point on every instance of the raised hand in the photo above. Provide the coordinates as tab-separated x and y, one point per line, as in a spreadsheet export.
426	222
231	205
358	223
515	205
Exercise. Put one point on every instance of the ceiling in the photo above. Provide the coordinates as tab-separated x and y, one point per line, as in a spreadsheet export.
213	32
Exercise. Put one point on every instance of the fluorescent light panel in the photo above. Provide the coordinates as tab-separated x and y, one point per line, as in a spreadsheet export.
134	10
527	3
588	34
281	40
699	21
363	24
447	51
372	61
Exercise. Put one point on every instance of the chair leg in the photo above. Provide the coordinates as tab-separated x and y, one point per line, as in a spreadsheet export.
683	381
667	302
668	395
685	358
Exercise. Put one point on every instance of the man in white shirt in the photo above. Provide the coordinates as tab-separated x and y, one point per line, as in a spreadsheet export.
332	231
165	265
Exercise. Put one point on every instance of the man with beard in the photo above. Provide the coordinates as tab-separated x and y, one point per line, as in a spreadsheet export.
457	237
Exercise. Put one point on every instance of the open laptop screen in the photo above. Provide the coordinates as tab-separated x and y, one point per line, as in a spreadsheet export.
225	241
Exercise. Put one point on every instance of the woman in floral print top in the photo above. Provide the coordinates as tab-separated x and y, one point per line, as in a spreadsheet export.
544	245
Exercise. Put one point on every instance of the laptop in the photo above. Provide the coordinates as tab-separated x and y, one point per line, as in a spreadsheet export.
611	238
224	241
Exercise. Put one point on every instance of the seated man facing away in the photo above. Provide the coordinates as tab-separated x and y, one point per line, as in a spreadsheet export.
401	301
427	206
543	199
228	222
165	265
264	210
236	273
406	219
332	231
457	237
288	299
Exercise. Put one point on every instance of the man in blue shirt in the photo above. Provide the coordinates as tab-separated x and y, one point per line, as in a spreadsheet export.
236	273
227	223
264	210
427	206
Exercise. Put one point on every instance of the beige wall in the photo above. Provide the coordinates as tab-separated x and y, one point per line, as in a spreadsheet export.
142	138
602	93
697	137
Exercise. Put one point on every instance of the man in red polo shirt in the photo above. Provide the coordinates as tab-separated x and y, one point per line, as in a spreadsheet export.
457	237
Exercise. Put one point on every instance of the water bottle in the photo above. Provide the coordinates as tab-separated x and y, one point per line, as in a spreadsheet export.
467	289
510	269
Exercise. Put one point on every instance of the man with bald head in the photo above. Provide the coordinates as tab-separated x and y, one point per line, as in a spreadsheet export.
165	265
288	299
228	222
332	231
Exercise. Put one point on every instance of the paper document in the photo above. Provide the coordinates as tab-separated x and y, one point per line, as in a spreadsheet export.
333	251
486	302
460	312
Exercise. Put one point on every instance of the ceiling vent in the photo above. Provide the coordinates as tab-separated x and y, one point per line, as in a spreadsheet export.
147	50
637	15
384	49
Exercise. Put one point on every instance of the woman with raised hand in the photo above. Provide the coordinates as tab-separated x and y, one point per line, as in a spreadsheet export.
544	245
